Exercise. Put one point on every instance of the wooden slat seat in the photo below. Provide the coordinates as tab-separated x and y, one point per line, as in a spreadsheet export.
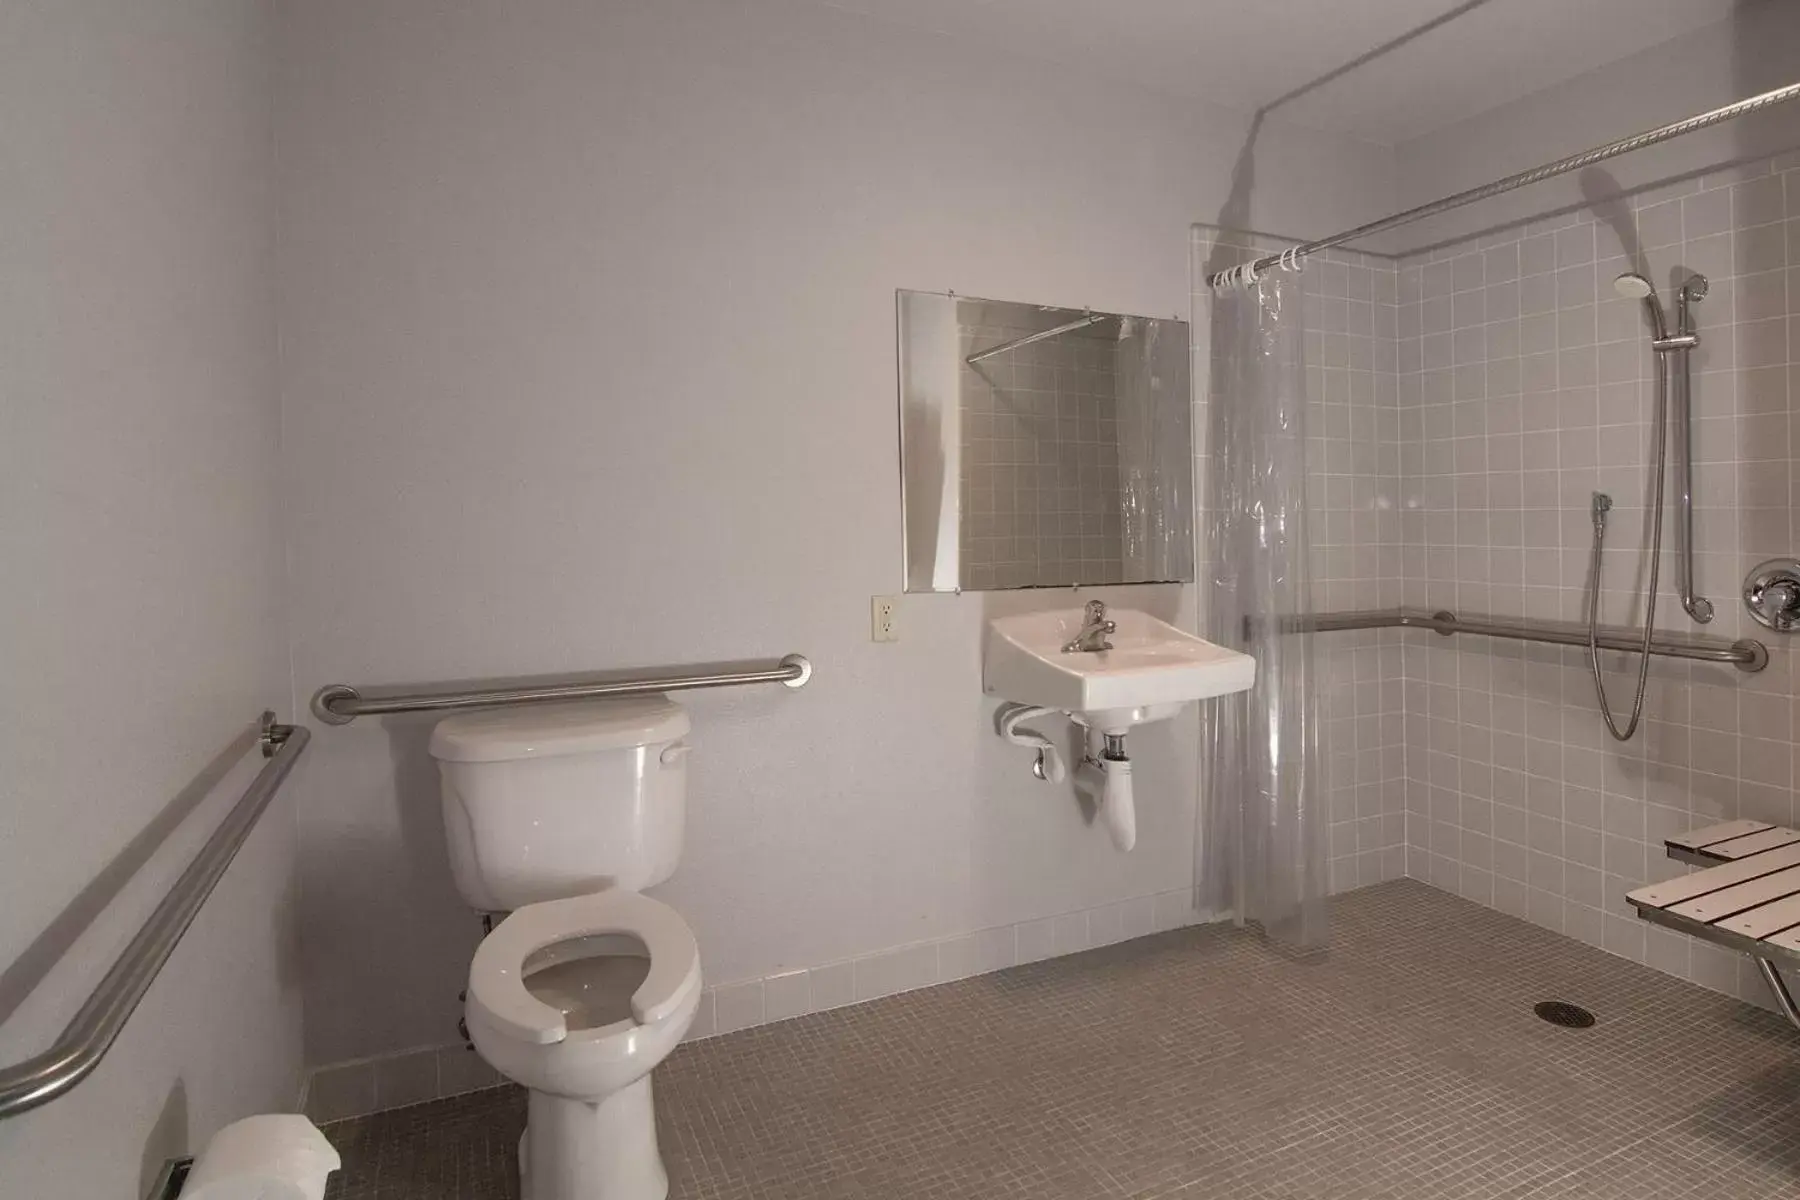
1748	898
1700	838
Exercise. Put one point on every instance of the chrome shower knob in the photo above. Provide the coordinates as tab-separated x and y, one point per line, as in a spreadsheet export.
1772	594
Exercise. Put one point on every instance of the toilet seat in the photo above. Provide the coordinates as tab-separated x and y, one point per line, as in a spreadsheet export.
497	980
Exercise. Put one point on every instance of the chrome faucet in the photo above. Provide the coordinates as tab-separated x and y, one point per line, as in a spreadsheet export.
1094	629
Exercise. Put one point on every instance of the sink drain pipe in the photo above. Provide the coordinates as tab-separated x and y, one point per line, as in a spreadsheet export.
1103	775
1106	780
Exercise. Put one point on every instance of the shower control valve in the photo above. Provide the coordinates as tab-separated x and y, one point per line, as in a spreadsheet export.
1772	594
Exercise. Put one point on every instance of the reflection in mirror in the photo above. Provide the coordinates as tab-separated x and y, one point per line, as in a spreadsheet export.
1042	447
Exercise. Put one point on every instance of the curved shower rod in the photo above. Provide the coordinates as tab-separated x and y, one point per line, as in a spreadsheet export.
1562	166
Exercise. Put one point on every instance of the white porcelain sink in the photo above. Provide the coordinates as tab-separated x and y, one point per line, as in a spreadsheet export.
1151	671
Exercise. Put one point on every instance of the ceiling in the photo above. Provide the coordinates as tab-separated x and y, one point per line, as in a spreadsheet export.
1250	53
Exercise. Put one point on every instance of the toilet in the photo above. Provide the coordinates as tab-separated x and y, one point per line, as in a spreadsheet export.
558	815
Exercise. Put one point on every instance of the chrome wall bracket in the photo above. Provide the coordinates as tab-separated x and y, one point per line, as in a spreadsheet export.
271	735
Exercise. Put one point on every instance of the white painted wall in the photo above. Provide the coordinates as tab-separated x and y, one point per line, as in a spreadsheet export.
140	614
588	324
1756	50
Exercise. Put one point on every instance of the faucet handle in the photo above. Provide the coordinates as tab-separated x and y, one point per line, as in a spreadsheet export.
1095	611
1772	594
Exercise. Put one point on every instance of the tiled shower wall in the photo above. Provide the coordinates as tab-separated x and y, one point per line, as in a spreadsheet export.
1459	474
1353	489
1525	385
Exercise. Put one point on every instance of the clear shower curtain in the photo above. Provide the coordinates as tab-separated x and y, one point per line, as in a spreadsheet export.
1262	853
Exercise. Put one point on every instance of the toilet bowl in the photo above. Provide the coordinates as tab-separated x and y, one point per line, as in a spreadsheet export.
578	1000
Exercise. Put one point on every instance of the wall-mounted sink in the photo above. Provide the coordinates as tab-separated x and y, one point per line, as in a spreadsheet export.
1151	670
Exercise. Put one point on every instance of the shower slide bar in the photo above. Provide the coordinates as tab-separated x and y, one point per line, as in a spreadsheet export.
340	704
1562	166
1746	654
98	1023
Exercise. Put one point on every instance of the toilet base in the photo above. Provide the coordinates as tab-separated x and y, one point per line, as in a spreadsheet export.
592	1150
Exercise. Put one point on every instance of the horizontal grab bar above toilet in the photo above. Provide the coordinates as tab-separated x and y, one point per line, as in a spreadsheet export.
340	704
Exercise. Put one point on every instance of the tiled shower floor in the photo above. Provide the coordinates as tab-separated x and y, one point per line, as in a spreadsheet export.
1406	1063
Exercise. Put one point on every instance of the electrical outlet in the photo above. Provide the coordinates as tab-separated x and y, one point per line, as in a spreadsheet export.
884	620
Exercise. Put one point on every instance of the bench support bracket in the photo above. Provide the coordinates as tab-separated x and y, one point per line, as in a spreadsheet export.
1784	999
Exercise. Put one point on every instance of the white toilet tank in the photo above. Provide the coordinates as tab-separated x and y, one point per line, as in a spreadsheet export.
553	800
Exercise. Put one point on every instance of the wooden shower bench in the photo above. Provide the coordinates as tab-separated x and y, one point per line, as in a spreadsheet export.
1746	897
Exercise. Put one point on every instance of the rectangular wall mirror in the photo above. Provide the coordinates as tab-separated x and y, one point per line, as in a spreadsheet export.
1042	447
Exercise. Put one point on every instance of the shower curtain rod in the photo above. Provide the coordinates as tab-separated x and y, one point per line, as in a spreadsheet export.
1574	162
1003	347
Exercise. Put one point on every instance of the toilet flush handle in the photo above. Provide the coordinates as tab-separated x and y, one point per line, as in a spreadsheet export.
673	753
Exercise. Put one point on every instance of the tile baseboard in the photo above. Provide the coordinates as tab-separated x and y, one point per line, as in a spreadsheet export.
358	1087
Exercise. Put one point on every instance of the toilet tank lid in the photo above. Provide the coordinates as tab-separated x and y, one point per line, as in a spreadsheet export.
546	730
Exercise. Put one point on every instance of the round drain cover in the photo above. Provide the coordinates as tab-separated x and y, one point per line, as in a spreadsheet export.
1561	1012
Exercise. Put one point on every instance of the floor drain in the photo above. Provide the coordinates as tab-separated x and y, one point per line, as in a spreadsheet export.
1561	1012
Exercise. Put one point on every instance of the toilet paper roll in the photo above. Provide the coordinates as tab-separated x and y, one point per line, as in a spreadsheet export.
278	1156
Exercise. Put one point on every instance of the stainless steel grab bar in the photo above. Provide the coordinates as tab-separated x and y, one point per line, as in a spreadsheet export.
340	704
1746	654
43	1077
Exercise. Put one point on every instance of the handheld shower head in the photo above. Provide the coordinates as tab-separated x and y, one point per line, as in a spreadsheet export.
1633	286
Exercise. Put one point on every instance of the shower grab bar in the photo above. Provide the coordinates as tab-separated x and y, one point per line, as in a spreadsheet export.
1746	654
98	1023
1561	166
340	704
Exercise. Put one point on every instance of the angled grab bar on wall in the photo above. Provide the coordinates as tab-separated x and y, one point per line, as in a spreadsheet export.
340	704
1746	654
43	1077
